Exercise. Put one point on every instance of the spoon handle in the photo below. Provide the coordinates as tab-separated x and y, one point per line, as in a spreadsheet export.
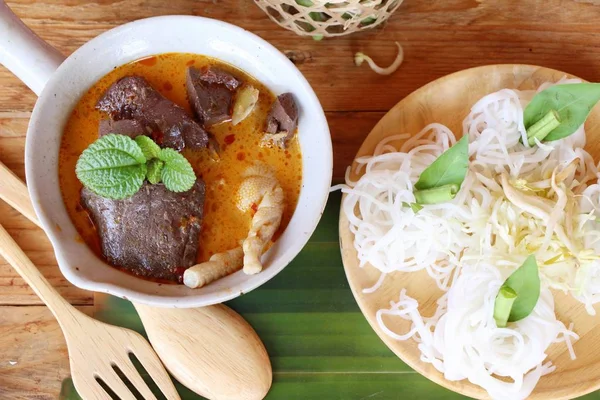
15	193
15	256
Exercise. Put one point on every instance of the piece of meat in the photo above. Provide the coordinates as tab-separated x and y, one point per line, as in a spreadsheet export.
128	127
283	117
132	98
218	76
210	91
152	234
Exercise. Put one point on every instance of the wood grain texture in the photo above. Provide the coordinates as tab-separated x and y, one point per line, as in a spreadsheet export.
448	101
33	353
16	195
13	290
439	37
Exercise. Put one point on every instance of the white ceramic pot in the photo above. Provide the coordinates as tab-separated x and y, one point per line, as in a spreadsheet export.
60	82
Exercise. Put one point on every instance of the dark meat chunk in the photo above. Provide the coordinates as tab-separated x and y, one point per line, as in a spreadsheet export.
283	117
128	127
210	91
132	98
151	234
220	77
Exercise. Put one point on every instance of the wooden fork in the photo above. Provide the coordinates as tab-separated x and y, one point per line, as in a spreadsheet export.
96	349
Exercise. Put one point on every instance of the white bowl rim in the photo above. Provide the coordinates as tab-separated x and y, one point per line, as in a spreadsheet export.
323	180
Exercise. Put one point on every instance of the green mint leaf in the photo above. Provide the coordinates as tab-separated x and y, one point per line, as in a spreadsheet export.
177	173
155	167
450	168
504	302
148	147
572	102
525	282
113	167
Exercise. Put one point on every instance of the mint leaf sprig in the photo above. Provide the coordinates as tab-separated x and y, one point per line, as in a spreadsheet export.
115	167
149	148
177	173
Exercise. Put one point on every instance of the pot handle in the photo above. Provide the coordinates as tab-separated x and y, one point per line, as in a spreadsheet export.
24	53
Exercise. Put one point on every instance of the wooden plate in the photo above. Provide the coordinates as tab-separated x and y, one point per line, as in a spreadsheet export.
448	100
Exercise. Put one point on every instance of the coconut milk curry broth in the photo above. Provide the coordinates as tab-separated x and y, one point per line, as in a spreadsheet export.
224	225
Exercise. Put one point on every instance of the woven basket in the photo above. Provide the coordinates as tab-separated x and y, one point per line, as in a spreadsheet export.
326	18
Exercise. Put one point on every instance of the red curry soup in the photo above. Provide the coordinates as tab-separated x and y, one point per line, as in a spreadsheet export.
220	224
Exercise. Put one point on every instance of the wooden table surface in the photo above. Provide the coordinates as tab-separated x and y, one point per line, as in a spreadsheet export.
439	37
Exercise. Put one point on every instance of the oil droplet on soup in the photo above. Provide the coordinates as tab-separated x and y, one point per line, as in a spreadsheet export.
224	225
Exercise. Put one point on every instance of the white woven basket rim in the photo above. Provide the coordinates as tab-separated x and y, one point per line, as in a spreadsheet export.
297	18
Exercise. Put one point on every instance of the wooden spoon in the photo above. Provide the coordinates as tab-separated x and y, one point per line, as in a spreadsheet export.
211	350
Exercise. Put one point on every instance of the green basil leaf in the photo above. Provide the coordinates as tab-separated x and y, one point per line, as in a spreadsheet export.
155	167
525	282
572	102
148	147
177	173
113	167
450	168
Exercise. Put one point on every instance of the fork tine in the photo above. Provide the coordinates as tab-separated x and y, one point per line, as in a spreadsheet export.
136	379
155	369
152	364
89	389
114	382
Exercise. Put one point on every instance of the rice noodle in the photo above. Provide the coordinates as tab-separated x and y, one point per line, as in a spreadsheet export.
516	200
377	216
462	341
